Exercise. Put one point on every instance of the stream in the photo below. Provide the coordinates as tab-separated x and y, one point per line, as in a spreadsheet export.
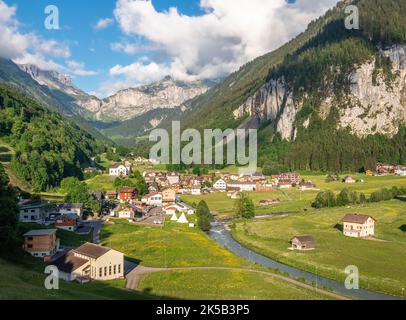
221	235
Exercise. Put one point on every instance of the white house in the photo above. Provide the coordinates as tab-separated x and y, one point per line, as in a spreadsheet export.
244	186
358	225
71	208
173	178
120	170
32	213
196	191
220	185
153	199
400	171
91	261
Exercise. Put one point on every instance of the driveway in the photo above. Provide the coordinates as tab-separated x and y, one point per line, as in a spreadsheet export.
96	225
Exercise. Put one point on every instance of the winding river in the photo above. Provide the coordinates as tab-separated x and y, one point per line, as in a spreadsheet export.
221	235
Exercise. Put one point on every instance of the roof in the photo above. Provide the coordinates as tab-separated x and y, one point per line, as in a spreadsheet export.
92	250
128	190
70	206
117	165
69	263
42	232
305	239
357	218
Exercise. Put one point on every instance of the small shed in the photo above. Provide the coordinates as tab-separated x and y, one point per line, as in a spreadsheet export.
303	243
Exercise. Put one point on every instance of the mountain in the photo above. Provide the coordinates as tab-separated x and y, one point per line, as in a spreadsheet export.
330	99
48	146
134	102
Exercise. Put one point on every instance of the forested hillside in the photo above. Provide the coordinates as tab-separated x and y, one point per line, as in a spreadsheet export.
48	147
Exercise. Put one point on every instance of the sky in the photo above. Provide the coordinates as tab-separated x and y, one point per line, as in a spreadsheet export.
109	45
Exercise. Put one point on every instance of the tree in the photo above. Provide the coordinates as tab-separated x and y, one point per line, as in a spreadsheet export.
8	213
244	206
204	216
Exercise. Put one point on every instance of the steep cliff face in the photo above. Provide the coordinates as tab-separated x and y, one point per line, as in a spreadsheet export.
134	102
373	105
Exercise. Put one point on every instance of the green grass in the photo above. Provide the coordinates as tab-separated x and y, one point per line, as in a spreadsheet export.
24	280
293	200
223	285
172	246
101	182
381	263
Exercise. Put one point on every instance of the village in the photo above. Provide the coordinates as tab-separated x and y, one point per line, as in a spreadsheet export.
162	204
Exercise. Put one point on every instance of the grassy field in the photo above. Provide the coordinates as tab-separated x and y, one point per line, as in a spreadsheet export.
24	280
293	200
171	246
381	263
223	284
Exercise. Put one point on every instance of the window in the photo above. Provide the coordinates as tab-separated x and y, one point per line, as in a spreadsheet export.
105	271
29	246
115	269
110	271
119	268
100	272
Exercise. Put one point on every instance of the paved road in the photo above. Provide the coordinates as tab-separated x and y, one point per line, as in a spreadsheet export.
96	225
134	277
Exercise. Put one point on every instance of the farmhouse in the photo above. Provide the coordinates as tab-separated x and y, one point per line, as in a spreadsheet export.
41	243
358	226
91	261
32	212
307	186
127	213
119	170
303	243
349	179
196	191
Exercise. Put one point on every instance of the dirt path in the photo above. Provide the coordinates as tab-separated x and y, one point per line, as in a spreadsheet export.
135	276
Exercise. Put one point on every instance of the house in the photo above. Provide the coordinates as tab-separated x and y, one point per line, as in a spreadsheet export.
243	186
119	170
220	185
153	199
303	243
111	195
91	261
307	186
153	187
128	194
97	195
349	179
265	203
41	243
400	171
67	222
33	212
196	191
173	178
369	173
170	211
285	184
384	168
358	226
126	213
71	208
169	195
293	178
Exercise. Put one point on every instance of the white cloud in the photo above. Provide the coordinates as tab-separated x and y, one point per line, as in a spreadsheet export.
229	34
78	69
103	23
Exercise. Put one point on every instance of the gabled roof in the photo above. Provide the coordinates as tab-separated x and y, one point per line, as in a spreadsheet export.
42	232
357	218
92	250
69	263
305	239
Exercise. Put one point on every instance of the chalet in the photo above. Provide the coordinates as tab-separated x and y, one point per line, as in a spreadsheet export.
153	199
111	195
307	186
91	262
71	208
127	213
169	195
220	185
32	212
303	243
41	243
67	222
358	225
128	194
119	170
349	179
173	178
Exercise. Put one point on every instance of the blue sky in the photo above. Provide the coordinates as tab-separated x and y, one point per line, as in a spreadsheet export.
144	41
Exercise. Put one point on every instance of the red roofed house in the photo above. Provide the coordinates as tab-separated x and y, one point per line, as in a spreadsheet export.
128	194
